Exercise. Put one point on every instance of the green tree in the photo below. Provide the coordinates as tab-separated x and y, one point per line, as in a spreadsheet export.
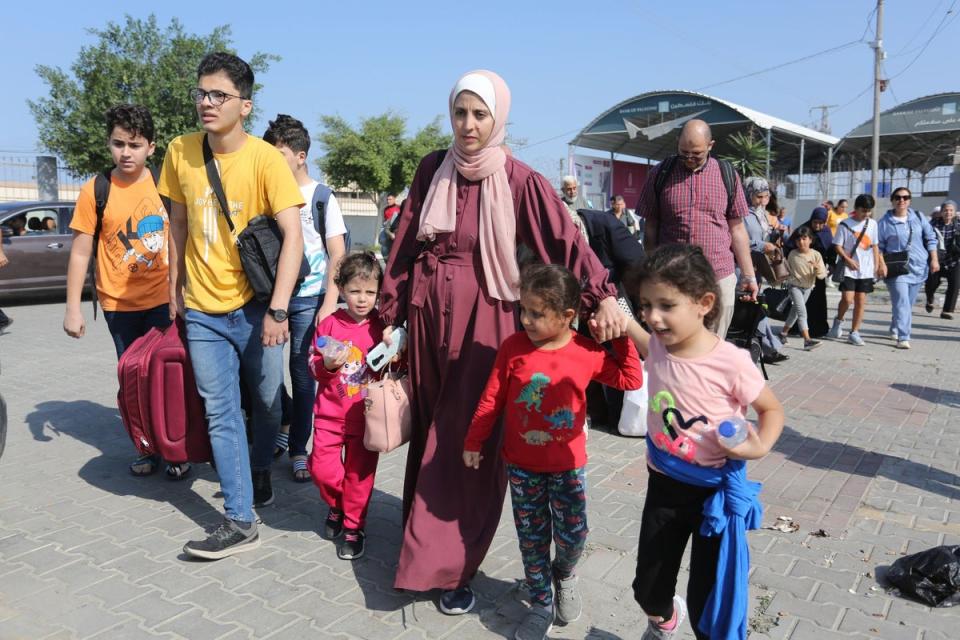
377	157
134	62
748	154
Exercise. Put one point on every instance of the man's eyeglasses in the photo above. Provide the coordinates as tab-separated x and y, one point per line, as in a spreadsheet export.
216	98
692	156
900	197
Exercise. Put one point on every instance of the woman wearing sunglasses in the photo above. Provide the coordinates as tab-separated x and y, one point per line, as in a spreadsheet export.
908	253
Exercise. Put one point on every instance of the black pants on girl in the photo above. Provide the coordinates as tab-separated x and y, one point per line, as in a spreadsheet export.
672	513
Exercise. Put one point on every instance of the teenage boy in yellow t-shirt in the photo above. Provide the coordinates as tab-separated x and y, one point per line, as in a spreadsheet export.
131	248
227	328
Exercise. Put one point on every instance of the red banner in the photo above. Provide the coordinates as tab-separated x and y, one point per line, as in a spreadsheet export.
628	179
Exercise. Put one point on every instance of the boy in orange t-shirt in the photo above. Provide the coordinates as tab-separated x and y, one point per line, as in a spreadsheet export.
131	248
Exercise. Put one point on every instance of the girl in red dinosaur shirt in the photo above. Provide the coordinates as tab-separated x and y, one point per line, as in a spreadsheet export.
539	384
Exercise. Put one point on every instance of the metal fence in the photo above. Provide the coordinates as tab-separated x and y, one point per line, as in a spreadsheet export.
848	184
30	175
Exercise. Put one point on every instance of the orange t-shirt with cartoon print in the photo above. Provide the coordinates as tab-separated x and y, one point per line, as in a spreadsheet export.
132	248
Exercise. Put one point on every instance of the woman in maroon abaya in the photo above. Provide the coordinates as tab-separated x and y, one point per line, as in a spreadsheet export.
452	277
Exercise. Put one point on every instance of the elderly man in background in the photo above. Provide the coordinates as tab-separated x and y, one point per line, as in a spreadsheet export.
569	193
693	204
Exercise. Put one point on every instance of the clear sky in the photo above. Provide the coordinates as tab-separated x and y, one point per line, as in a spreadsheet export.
566	62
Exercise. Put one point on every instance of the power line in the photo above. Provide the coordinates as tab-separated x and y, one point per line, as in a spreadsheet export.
903	50
845	45
941	26
538	142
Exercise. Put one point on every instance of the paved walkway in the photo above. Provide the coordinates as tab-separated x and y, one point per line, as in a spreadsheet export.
869	456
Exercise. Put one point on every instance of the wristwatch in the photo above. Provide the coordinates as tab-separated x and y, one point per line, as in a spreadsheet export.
278	314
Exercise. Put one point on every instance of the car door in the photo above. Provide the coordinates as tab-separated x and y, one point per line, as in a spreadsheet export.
38	259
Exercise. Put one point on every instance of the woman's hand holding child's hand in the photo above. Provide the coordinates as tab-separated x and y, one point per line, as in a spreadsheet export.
472	459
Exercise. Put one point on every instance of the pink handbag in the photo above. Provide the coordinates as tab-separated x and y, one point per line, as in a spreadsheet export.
387	412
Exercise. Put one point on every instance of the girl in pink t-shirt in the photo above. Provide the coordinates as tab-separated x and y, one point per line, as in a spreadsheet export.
695	380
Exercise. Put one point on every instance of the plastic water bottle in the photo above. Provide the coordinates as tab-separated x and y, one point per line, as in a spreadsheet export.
732	431
330	347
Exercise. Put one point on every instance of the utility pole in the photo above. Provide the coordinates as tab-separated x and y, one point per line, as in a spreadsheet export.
878	82
824	116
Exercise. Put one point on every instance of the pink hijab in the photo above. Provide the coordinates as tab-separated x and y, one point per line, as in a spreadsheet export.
498	223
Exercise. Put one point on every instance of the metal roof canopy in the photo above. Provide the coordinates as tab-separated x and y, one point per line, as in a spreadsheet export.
648	126
919	135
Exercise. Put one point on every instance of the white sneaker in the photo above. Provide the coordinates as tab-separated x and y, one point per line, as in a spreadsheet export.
655	632
836	331
893	334
903	344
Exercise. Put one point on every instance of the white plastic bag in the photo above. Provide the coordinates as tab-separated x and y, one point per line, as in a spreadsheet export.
633	416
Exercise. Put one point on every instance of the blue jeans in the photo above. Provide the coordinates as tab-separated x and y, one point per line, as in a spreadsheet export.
902	297
220	344
127	326
302	312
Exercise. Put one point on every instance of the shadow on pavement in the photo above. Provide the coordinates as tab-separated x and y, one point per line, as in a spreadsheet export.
931	394
812	452
100	427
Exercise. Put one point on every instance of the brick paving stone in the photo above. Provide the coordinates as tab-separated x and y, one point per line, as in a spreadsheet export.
27	627
153	609
300	630
825	615
320	610
877	627
260	619
806	630
89	619
194	624
131	630
114	591
274	592
174	581
213	600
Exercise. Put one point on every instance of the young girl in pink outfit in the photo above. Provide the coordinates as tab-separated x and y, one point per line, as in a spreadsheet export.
698	486
339	464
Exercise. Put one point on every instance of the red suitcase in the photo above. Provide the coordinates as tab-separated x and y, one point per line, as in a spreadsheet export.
158	398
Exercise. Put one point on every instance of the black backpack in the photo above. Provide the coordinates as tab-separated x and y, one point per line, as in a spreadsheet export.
727	172
101	194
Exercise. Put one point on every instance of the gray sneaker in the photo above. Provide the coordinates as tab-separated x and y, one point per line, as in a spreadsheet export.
654	632
855	339
836	331
567	601
536	625
229	538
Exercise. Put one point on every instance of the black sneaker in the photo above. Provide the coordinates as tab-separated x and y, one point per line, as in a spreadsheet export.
457	601
262	490
229	538
351	547
810	345
333	526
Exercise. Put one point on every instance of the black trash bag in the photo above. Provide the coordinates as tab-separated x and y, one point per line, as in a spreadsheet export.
931	576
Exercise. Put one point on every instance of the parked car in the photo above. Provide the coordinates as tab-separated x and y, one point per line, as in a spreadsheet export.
36	240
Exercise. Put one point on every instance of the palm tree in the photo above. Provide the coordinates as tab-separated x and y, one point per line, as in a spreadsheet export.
749	154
